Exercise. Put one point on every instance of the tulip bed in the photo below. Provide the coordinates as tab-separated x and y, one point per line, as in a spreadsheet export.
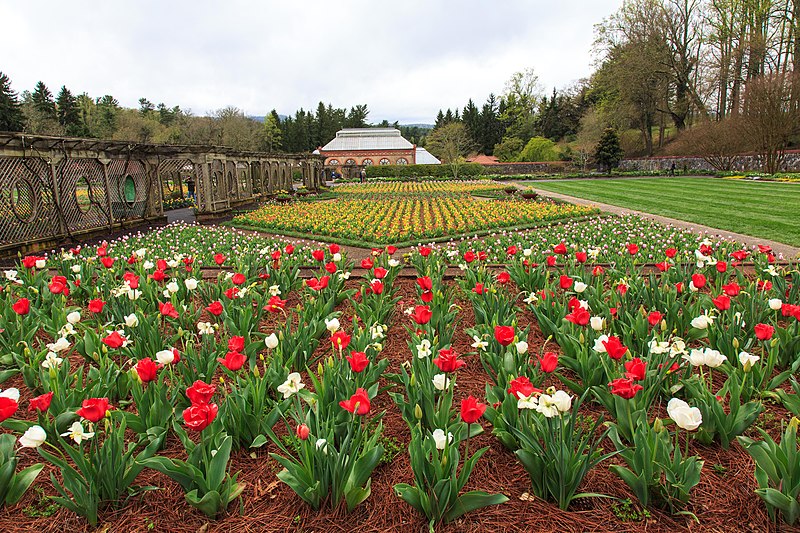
400	212
555	393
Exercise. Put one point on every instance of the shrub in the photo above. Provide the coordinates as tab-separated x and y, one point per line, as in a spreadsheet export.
467	170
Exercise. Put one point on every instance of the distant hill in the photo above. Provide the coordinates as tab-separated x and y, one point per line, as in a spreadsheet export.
260	118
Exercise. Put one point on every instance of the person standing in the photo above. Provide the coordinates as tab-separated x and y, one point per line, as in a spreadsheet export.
363	175
190	188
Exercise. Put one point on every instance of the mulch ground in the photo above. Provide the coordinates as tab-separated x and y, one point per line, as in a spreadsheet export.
724	500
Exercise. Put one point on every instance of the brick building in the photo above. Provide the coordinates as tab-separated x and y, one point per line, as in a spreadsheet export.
355	148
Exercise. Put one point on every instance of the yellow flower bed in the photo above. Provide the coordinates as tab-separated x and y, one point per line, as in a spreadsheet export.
399	218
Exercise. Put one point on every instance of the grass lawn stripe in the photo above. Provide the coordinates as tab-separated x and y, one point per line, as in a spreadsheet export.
762	209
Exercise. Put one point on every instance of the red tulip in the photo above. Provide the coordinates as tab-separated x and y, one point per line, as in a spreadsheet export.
114	340
146	369
302	432
318	284
471	410
635	369
41	403
615	348
233	361
199	416
425	251
380	272
376	286
391	250
236	344
624	388
96	305
522	387
108	262
215	308
698	280
671	252
732	289
504	334
581	257
560	249
200	392
238	278
358	403
448	361
654	318
275	304
548	362
579	316
158	275
8	406
319	255
219	259
340	339
722	302
425	283
289	249
511	250
22	306
94	409
503	278
551	260
422	314
632	249
764	331
722	266
334	248
358	361
167	309
367	263
565	282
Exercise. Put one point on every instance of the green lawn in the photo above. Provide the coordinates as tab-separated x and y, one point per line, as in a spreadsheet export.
761	209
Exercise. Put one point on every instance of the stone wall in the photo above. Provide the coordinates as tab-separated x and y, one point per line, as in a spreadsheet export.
744	163
506	169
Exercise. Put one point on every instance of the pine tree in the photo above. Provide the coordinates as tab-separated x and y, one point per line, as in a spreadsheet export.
608	153
43	101
69	116
272	132
11	116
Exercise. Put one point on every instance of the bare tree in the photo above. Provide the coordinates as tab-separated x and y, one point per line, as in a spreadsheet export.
450	143
770	117
720	144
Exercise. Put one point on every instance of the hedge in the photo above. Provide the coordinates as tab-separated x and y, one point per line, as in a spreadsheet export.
467	170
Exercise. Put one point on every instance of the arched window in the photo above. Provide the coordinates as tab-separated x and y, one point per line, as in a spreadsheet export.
333	162
350	162
402	161
385	161
367	162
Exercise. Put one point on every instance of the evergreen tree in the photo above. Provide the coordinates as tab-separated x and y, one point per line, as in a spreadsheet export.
357	118
11	116
43	101
69	116
608	153
272	132
471	118
439	120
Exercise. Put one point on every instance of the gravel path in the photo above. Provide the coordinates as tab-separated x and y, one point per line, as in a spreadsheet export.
784	251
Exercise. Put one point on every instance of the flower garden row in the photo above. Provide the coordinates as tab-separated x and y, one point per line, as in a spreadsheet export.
391	213
114	353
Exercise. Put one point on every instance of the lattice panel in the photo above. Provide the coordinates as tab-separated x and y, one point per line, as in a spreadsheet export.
129	188
231	181
172	170
82	193
27	208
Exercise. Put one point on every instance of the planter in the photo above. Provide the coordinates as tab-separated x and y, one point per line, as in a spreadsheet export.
529	195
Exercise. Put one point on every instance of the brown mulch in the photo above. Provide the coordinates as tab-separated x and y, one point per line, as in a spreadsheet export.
724	500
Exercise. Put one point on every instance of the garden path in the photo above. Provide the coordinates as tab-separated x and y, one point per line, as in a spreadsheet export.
784	251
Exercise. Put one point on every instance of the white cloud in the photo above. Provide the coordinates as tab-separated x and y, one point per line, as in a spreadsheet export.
404	59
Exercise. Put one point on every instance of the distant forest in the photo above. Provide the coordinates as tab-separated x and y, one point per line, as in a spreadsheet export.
40	112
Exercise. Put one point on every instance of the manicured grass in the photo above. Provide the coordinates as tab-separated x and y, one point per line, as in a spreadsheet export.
760	209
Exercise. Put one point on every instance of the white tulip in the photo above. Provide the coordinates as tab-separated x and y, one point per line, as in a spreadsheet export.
598	344
291	386
275	290
40	263
140	253
580	286
322	444
33	437
775	304
702	322
131	321
440	381
148	265
522	347
746	359
205	328
332	324
165	357
688	418
10	393
60	345
547	406
75	268
393	263
424	349
74	317
562	401
337	257
10	275
531	298
528	402
172	287
657	347
191	284
596	322
271	341
441	439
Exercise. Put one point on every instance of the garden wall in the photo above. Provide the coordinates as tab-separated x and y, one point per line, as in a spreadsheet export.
507	169
744	163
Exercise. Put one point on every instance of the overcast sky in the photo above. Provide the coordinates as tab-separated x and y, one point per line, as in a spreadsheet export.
404	59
